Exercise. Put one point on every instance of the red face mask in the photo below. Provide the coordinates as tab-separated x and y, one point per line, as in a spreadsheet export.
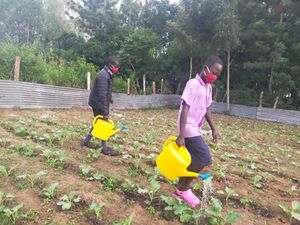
114	69
210	77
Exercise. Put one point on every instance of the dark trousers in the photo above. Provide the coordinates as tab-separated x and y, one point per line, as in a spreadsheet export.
201	157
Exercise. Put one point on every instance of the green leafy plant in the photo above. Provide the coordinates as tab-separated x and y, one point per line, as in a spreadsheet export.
28	150
86	171
245	201
293	212
32	178
229	192
9	215
214	213
127	221
21	131
97	208
110	184
3	171
155	186
13	214
55	158
68	201
94	154
132	171
256	181
221	171
51	191
185	213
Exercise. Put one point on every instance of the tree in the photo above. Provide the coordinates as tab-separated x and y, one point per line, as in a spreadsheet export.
227	34
140	52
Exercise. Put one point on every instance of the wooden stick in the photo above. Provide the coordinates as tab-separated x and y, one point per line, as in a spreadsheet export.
128	86
276	102
144	84
17	68
162	86
261	99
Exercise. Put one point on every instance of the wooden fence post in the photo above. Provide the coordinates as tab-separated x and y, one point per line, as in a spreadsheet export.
88	81
17	68
162	86
144	84
276	102
154	87
261	99
128	86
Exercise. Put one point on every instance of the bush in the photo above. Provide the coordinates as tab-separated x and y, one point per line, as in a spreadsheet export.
119	85
43	66
245	96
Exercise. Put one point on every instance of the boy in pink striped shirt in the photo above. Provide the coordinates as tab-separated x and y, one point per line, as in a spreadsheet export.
194	111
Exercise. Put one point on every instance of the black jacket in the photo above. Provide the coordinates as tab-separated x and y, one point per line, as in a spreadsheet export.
101	93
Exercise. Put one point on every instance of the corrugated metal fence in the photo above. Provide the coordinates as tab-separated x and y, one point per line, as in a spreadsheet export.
15	94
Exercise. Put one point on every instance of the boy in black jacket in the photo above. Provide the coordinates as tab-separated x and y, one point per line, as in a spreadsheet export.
101	97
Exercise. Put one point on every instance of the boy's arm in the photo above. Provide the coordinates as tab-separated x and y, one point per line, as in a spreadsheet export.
182	123
208	118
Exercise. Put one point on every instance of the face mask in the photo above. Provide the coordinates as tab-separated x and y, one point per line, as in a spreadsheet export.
210	77
114	69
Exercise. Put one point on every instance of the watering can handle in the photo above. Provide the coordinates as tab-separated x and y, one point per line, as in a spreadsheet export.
169	140
101	117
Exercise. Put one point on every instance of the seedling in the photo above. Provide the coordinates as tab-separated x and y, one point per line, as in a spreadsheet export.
51	191
132	171
13	214
293	212
55	158
186	214
127	221
155	186
7	214
3	171
215	214
68	201
97	208
110	184
245	202
94	154
229	192
86	171
221	171
21	131
255	181
32	178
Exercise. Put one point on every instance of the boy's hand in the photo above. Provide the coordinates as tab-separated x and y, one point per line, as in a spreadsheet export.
215	135
180	141
106	118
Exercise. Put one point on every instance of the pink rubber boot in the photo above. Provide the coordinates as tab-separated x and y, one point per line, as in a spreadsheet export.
187	196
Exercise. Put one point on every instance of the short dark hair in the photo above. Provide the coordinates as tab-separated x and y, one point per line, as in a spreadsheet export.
113	61
212	60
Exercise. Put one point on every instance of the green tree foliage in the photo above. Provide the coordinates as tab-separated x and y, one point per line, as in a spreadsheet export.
257	40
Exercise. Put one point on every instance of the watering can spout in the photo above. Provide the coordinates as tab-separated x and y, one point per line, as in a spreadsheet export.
104	129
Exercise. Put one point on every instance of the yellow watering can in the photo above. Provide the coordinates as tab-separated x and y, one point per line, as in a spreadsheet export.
173	161
103	129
